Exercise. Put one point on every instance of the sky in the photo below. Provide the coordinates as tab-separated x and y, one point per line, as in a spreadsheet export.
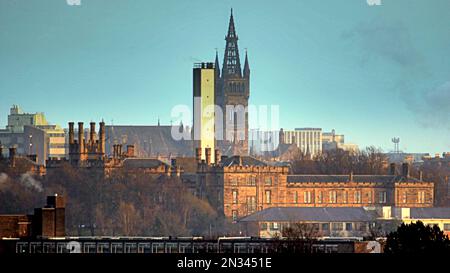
369	72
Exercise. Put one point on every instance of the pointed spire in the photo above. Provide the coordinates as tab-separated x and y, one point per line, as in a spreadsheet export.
246	66
217	66
231	62
231	28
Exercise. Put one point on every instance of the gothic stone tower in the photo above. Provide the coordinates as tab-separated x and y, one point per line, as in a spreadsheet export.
233	89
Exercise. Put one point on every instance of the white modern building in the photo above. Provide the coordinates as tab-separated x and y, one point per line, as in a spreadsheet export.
31	134
309	140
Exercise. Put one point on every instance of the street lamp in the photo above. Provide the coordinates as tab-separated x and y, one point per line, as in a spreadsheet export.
31	144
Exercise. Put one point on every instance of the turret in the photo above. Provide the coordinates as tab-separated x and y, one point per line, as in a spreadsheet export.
246	67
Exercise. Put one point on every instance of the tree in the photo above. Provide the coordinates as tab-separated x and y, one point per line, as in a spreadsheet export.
369	161
301	237
417	238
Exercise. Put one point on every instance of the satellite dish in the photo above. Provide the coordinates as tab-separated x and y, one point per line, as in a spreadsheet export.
373	247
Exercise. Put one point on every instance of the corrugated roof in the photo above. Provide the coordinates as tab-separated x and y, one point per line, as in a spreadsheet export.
430	213
303	214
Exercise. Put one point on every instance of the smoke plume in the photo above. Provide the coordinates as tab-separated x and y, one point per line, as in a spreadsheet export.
27	180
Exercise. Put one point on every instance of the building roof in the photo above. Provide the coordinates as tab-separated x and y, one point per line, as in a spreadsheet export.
148	140
430	213
346	178
242	160
310	214
142	163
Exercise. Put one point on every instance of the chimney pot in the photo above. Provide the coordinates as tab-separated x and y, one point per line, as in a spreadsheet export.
405	169
12	156
392	169
198	154
92	133
216	156
208	155
80	138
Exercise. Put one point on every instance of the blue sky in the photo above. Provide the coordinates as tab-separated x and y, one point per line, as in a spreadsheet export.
370	72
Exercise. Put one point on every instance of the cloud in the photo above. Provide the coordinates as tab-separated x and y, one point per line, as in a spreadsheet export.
431	107
390	41
28	180
393	43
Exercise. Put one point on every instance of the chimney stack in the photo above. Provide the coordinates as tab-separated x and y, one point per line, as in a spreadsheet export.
216	156
114	150
80	138
130	150
102	138
392	169
119	150
208	155
405	169
92	133
71	134
420	175
350	177
12	156
198	155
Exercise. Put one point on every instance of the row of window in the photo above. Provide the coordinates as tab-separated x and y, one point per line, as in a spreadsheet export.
252	199
332	198
357	197
335	226
251	181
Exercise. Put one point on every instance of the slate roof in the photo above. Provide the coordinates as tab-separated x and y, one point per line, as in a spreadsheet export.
142	163
430	213
346	178
148	140
246	161
310	214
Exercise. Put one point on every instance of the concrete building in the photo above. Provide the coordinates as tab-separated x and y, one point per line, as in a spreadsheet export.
332	141
439	216
32	135
309	140
204	109
17	119
45	141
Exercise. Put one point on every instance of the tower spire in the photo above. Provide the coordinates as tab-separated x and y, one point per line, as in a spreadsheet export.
246	66
231	61
216	65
